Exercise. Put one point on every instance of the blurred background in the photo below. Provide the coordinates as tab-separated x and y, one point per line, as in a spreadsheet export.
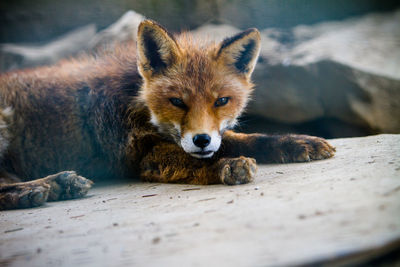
327	68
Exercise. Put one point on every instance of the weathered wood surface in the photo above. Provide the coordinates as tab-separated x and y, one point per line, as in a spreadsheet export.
291	214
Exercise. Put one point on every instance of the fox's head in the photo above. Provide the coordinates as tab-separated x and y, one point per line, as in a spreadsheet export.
195	91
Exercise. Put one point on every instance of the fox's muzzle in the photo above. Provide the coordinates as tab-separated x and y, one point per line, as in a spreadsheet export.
201	145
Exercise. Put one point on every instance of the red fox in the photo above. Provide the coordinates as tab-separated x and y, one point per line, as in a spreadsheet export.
161	110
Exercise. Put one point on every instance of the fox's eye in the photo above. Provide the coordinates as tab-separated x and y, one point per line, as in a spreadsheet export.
222	101
177	102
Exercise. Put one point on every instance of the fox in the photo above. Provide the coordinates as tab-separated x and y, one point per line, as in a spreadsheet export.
161	109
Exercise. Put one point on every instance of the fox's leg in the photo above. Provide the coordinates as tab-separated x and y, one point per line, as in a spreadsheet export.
22	194
17	194
63	185
168	163
276	148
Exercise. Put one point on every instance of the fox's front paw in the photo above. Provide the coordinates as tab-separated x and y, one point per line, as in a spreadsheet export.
235	171
68	185
301	148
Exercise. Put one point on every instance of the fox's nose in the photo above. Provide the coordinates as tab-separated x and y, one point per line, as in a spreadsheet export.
201	140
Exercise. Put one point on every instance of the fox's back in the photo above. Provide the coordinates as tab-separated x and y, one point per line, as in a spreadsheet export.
68	116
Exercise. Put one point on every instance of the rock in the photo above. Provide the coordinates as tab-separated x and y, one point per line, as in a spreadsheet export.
348	70
344	209
214	32
15	56
123	30
84	39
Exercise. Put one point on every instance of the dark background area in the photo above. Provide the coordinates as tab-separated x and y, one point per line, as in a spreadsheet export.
324	127
42	20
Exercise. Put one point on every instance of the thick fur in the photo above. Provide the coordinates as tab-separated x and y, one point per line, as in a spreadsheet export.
111	115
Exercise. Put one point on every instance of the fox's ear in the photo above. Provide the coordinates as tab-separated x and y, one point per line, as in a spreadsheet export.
240	52
157	49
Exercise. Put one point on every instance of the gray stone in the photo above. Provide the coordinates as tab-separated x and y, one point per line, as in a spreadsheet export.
122	30
84	39
16	56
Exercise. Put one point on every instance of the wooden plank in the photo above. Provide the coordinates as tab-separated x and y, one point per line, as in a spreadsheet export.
341	210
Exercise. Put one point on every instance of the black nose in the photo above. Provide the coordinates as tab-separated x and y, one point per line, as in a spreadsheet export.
202	140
